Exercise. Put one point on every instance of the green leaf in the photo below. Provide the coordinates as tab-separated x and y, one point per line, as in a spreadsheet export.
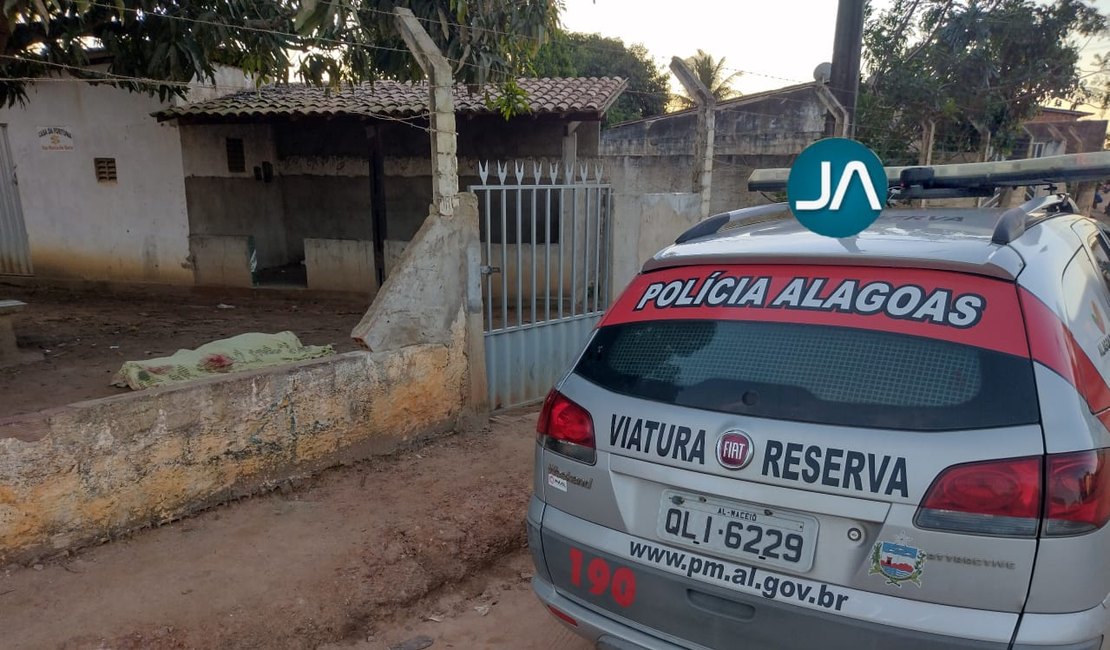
487	40
43	14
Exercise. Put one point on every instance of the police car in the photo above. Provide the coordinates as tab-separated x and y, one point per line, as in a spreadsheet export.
776	439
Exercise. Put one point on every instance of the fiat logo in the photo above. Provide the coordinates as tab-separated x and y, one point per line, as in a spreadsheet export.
734	450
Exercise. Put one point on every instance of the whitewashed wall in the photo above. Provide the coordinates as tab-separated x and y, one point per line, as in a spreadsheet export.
135	229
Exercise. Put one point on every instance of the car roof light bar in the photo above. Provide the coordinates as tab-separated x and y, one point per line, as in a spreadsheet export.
969	179
1011	225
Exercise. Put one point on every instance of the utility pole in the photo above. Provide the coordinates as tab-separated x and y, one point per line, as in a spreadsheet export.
844	76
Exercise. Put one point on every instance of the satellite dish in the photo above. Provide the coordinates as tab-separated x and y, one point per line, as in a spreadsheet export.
822	73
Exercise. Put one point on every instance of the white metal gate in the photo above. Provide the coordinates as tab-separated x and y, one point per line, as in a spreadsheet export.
15	259
545	261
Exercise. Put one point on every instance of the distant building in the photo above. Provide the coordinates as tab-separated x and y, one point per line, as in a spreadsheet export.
766	129
1056	131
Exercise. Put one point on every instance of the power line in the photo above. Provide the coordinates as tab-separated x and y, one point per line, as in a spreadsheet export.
107	77
428	21
110	77
249	28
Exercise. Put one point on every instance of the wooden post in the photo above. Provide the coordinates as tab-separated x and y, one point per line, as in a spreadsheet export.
377	200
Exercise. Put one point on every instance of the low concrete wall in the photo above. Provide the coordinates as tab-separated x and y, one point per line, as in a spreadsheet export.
433	296
644	224
91	470
221	260
340	265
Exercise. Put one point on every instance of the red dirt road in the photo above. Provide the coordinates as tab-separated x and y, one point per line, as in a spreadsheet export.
494	610
370	551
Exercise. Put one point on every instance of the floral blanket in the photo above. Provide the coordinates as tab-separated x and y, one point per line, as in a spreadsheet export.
236	354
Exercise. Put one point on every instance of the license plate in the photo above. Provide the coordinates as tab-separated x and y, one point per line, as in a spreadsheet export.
741	530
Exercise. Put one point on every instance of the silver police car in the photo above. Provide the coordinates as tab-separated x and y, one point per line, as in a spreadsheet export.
776	439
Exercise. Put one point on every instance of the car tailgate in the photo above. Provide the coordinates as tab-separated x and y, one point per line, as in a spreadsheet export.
794	435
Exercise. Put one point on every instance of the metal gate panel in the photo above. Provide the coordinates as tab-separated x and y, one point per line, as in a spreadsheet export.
523	364
545	262
15	259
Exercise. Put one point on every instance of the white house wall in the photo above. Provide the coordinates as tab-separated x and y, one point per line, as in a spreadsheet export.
134	229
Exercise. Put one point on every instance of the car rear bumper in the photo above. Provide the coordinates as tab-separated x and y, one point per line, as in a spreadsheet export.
599	629
674	611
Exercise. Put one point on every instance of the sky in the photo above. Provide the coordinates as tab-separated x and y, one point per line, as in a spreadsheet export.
775	42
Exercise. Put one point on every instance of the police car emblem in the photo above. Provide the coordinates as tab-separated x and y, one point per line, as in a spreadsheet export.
898	563
734	450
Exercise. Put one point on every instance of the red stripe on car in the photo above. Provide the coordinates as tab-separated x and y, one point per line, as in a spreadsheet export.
1053	345
978	311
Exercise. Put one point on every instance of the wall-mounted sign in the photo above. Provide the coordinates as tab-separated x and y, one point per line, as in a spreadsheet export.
55	138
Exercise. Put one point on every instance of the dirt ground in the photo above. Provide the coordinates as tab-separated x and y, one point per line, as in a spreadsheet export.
494	610
86	336
365	556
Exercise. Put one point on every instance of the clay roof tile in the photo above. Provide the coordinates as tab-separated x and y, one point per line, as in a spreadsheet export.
401	99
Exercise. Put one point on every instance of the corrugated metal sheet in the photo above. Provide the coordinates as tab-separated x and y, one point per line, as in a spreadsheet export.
15	259
523	364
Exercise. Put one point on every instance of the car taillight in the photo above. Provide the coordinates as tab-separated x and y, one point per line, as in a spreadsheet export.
566	428
998	497
1003	497
1078	492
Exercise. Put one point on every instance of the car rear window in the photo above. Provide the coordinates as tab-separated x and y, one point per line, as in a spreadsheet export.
813	373
839	368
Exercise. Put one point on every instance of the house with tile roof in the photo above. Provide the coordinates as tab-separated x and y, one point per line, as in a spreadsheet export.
256	185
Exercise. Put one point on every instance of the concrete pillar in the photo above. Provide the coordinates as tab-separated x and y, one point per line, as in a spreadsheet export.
434	294
985	143
928	139
704	133
1084	197
647	223
839	115
445	163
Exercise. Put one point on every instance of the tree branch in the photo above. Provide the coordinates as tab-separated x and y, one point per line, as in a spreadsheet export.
924	42
894	37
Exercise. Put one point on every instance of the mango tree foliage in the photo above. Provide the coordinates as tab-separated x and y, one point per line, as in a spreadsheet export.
572	54
977	68
162	46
